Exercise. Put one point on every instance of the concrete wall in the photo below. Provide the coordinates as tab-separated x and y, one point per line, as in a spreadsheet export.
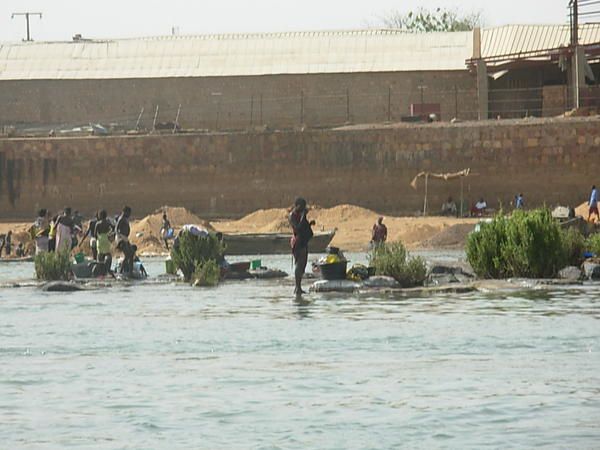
229	174
226	103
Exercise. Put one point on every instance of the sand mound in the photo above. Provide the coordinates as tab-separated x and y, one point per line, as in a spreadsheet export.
276	220
343	214
262	218
583	210
145	233
453	236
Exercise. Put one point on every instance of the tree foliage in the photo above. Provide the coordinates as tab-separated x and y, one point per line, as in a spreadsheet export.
423	20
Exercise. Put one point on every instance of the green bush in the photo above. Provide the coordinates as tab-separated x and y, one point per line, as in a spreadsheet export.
592	244
527	244
191	251
52	266
575	245
207	274
392	260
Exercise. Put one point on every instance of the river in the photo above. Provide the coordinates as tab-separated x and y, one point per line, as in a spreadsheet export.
244	365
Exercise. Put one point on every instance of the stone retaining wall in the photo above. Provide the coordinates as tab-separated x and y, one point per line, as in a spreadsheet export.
222	175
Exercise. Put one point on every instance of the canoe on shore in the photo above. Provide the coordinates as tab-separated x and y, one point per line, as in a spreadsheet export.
16	260
272	243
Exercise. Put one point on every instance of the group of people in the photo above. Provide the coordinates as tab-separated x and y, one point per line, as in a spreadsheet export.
61	233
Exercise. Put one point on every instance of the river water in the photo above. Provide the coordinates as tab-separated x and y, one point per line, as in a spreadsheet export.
244	365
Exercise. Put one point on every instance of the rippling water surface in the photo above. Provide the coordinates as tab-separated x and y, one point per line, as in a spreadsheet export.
246	366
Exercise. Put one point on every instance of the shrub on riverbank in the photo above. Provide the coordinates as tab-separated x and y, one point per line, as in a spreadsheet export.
593	244
53	266
392	260
528	244
193	251
207	274
575	246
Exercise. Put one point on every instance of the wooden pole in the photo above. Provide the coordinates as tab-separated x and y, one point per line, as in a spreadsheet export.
426	191
462	196
155	119
176	125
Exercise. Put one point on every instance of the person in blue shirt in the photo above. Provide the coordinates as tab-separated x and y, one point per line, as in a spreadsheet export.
593	204
519	202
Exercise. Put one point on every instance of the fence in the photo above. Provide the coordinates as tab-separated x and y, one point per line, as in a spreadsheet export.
228	112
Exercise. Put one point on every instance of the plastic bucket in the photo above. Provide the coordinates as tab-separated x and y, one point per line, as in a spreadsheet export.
334	271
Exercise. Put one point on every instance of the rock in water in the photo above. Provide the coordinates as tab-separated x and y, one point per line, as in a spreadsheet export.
61	286
592	271
571	273
335	286
380	282
442	280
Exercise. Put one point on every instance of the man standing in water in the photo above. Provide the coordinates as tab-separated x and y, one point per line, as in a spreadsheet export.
303	233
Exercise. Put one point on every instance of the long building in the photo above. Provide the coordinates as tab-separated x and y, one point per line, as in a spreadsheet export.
286	80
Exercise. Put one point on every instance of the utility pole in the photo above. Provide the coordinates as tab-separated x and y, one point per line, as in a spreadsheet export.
574	22
27	15
576	62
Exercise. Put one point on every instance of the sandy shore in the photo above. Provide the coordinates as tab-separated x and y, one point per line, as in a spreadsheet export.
353	225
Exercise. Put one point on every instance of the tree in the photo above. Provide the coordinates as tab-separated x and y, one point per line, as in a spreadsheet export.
424	20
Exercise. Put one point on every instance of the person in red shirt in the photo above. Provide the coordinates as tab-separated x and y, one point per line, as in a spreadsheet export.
303	233
379	234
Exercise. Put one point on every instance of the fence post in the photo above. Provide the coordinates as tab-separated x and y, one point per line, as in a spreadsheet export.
261	111
155	119
139	119
347	105
455	102
389	111
176	125
218	116
301	107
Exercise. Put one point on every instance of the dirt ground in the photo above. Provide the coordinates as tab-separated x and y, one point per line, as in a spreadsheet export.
353	225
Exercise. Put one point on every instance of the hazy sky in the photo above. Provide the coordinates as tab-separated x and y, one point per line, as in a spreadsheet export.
125	18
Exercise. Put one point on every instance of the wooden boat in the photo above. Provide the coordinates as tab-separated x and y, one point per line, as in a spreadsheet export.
16	260
272	243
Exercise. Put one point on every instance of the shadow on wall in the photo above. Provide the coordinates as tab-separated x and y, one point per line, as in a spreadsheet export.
12	171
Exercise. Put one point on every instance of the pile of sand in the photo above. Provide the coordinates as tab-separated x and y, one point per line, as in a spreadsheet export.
261	221
354	225
145	233
451	237
583	210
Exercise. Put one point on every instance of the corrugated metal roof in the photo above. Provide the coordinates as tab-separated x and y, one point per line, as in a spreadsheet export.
527	39
237	55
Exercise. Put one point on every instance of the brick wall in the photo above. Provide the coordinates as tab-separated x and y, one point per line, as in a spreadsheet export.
226	103
229	174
